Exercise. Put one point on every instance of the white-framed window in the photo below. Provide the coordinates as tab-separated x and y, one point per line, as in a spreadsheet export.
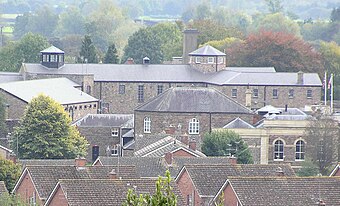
44	58
309	93
140	93
53	58
147	125
198	60
211	60
159	89
194	126
121	89
300	150
291	93
255	93
114	132
275	94
114	150
233	92
278	150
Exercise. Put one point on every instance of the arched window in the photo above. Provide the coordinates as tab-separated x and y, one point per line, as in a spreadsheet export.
278	150
147	125
300	150
194	126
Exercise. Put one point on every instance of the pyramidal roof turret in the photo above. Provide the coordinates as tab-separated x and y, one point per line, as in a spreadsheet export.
207	50
52	49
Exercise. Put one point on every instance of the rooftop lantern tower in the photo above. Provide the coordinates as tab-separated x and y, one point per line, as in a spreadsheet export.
52	57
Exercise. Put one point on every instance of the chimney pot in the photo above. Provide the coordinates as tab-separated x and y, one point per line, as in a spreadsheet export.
233	160
192	144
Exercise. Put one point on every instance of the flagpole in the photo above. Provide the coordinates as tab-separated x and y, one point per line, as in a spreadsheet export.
325	88
332	91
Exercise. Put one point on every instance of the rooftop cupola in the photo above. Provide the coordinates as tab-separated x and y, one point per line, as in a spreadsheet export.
52	57
208	59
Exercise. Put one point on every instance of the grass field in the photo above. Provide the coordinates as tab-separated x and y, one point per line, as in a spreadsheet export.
9	16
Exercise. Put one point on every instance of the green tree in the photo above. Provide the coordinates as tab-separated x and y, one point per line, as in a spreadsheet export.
45	132
144	43
88	50
71	22
11	200
3	127
163	195
285	52
308	169
9	173
111	56
274	6
226	143
335	15
26	50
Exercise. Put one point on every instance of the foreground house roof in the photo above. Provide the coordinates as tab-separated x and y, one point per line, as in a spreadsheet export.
209	178
193	99
176	73
106	120
104	192
44	178
61	90
47	162
266	191
3	189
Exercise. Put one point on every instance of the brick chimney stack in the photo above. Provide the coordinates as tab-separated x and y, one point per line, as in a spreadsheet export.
185	139
80	162
192	144
170	130
113	174
168	158
233	160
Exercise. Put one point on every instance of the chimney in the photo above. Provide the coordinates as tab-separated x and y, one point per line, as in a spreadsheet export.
185	139
168	158
300	77
233	160
146	60
248	98
279	172
192	144
130	61
189	43
80	162
170	130
113	174
286	108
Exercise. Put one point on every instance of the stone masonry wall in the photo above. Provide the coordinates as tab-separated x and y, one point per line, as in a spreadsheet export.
15	107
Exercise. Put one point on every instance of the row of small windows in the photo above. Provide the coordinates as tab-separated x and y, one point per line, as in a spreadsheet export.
90	106
194	126
279	150
275	93
210	60
52	58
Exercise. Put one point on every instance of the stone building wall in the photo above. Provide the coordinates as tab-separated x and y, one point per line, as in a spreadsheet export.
14	107
79	110
208	67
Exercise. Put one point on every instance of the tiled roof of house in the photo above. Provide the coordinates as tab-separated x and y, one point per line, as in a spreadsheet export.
267	191
47	162
165	145
46	177
193	99
207	50
238	123
3	189
54	88
107	192
209	178
176	73
105	120
10	77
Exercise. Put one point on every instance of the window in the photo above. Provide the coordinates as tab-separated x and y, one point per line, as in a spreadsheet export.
255	93
309	93
53	58
234	93
275	94
198	60
44	58
189	200
114	132
278	150
221	60
194	126
121	89
159	89
291	93
140	93
300	150
211	60
114	150
147	125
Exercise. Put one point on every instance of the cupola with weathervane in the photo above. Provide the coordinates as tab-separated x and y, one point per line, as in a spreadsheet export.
208	59
52	57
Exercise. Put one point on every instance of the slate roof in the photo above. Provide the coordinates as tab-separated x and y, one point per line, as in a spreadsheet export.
193	99
163	146
10	77
106	120
209	178
47	162
176	73
52	49
3	189
46	177
252	69
207	50
267	191
238	123
107	192
55	88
